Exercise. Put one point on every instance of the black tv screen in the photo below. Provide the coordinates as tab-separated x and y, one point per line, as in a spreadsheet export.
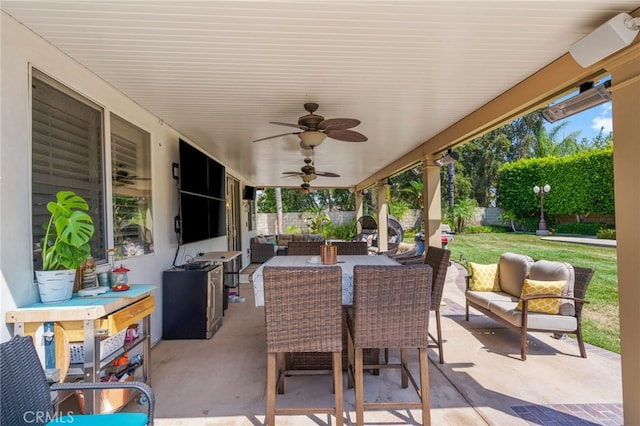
217	218
216	177
249	193
202	196
194	215
193	169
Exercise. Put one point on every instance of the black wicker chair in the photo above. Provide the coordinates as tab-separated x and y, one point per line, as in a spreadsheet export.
304	248
352	247
25	394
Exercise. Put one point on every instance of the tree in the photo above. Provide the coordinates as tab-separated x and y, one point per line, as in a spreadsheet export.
480	161
461	212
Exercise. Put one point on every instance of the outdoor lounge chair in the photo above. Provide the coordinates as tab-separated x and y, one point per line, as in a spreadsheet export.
25	394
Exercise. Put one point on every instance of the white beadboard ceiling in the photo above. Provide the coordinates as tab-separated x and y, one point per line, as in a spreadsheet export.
220	71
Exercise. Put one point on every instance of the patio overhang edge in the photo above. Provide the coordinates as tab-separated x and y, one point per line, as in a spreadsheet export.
557	79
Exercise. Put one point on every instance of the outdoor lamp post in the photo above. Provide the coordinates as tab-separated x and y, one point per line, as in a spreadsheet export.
542	226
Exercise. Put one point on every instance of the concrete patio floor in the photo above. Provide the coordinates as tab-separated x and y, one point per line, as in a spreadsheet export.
221	381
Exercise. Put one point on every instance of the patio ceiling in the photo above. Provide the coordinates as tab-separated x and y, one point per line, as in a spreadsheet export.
220	71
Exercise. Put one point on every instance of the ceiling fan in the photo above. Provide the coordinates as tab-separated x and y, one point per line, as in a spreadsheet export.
308	172
315	128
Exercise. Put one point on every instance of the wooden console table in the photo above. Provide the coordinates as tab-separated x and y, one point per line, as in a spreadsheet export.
89	320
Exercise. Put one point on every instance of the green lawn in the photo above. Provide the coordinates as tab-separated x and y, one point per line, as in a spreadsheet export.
600	318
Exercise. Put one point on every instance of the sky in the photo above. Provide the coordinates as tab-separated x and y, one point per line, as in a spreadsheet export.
587	122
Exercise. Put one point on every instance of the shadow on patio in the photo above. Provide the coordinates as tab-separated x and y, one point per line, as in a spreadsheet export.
221	381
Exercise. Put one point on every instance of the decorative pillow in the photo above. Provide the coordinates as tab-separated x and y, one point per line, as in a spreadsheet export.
535	288
261	240
484	277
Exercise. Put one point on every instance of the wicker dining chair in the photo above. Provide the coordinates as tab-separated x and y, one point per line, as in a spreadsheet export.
351	247
303	313
304	248
25	394
390	310
438	259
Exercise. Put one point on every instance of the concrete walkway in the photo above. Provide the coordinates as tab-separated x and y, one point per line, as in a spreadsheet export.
221	381
592	241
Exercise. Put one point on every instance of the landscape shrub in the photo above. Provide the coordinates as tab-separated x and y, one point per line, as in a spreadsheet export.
579	228
478	229
606	234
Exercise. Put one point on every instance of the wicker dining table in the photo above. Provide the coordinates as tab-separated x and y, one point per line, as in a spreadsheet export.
315	360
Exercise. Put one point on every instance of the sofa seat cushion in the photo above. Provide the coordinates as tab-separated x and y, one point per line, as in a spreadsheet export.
507	311
484	277
484	298
512	270
538	288
546	270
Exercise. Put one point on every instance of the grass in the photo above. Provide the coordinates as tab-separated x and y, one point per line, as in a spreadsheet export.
600	317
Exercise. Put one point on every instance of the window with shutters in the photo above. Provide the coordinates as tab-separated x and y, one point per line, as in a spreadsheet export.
131	189
67	154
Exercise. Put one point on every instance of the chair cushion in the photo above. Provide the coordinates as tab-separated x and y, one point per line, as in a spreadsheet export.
484	277
535	320
546	270
120	419
512	271
484	298
536	288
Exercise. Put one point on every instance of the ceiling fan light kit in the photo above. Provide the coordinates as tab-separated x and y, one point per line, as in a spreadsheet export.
312	138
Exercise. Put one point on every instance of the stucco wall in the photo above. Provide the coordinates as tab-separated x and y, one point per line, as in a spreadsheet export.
266	222
21	49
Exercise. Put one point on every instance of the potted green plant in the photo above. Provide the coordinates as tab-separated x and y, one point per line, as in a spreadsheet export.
64	246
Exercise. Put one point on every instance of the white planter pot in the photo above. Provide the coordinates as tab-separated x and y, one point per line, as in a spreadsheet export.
55	286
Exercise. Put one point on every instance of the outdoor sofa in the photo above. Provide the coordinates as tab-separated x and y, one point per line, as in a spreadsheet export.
529	295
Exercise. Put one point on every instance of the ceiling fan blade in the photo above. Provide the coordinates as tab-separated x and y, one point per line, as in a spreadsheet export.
338	123
298	126
346	135
276	136
327	174
293	173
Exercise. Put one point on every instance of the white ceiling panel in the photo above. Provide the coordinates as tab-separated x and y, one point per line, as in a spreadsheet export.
220	71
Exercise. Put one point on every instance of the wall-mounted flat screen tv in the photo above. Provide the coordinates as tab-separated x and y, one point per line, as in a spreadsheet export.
202	196
193	169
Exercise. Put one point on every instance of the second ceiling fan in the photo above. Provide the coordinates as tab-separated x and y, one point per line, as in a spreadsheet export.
315	128
308	172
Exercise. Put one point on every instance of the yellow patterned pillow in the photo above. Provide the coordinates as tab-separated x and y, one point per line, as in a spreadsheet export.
484	277
535	288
